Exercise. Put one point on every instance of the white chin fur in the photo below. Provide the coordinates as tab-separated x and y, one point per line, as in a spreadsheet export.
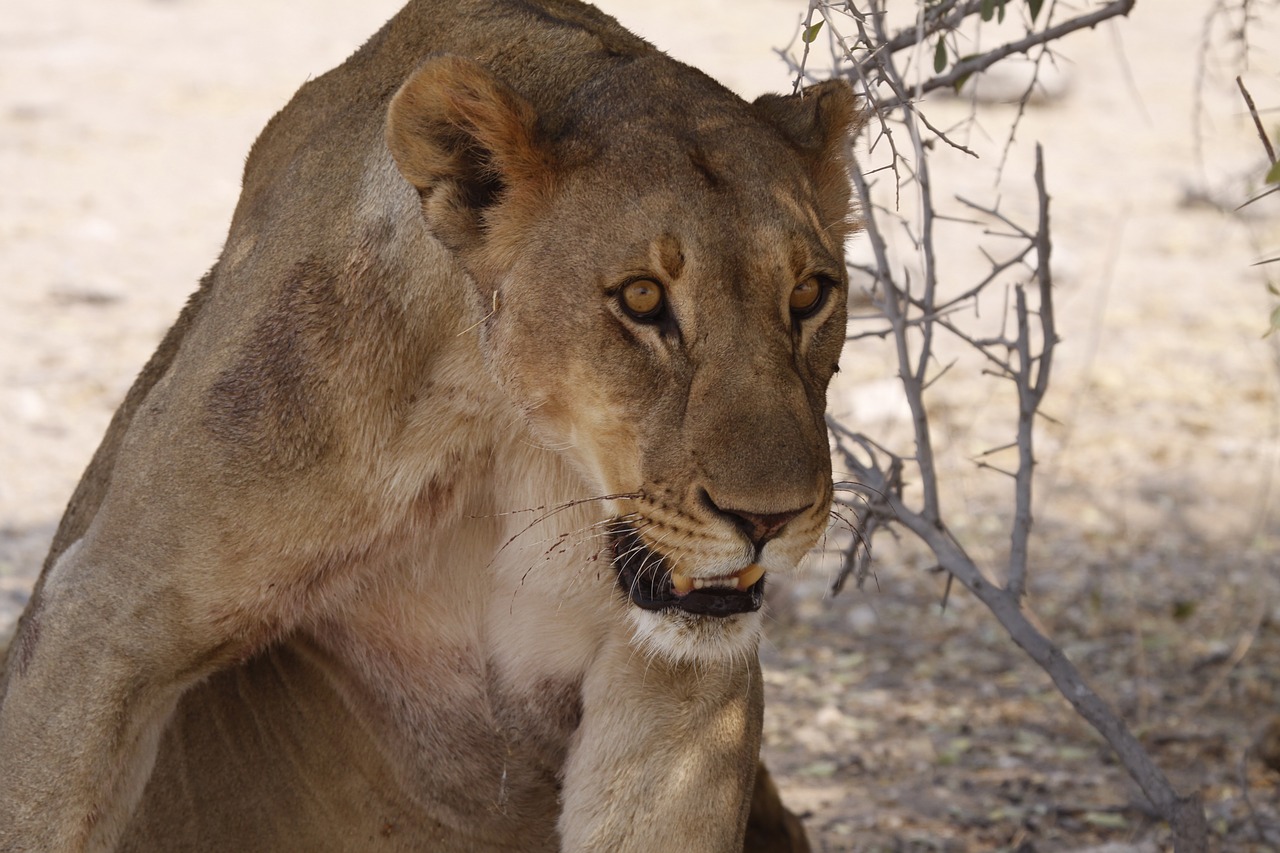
699	640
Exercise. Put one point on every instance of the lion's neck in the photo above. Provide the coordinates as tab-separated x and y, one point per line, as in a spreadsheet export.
496	548
488	617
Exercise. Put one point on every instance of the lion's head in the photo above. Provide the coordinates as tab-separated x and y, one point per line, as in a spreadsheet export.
663	286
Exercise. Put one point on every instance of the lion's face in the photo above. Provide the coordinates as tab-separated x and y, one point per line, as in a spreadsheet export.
663	354
667	313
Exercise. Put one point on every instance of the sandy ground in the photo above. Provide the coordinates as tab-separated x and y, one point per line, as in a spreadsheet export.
892	725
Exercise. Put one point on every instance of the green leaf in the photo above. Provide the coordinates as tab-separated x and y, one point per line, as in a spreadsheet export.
940	56
988	9
963	78
1034	6
1273	174
811	33
1000	16
1275	320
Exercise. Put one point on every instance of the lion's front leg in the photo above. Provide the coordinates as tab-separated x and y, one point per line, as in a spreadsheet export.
93	677
665	756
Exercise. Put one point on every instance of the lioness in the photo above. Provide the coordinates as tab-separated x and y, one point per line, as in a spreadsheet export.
441	518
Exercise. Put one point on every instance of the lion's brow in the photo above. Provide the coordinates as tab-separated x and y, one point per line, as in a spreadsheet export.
669	254
702	165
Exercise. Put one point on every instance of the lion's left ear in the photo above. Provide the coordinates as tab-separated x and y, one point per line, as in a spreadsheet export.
465	140
818	122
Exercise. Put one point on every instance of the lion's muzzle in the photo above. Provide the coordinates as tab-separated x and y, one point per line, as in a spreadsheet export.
648	581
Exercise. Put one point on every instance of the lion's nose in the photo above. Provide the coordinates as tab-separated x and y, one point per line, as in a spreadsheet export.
756	526
761	528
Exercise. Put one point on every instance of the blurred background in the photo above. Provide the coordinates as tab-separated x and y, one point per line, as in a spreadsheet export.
893	724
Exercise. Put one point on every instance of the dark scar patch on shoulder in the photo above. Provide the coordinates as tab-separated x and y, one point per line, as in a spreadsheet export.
331	355
268	406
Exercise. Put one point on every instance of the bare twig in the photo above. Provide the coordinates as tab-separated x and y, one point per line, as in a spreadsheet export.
1185	814
880	488
808	42
1023	354
1257	121
1031	390
1243	644
872	483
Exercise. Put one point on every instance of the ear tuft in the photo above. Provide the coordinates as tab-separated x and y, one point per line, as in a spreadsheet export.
464	139
818	122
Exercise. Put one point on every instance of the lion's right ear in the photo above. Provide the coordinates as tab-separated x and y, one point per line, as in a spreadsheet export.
465	140
819	122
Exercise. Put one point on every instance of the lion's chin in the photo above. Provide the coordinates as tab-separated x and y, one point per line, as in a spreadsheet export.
687	638
687	620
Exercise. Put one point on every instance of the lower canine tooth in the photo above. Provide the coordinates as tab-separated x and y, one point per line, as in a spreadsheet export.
748	576
742	581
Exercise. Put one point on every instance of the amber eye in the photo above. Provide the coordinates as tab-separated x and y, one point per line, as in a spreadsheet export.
806	298
643	299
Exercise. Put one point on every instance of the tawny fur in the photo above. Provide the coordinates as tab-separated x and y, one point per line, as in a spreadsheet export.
338	576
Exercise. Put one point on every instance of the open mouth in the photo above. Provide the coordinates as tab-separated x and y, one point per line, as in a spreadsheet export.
651	585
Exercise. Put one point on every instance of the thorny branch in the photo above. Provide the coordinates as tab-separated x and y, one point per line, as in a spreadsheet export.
879	501
868	56
1257	120
914	311
1229	30
964	69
